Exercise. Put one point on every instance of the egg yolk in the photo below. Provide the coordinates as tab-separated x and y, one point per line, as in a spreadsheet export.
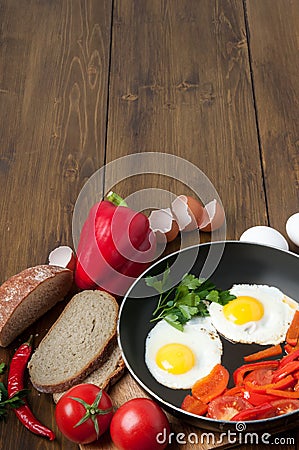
175	358
243	309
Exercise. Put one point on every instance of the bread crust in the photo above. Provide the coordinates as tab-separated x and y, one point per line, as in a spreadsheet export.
78	377
16	290
94	364
113	378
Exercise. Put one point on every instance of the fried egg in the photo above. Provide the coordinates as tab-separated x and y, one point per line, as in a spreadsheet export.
177	359
260	314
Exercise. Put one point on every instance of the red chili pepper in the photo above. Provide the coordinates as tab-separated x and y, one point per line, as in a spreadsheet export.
16	383
241	371
258	412
116	245
285	370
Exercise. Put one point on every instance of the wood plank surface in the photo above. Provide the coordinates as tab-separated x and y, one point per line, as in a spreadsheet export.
179	69
54	59
84	82
169	94
274	46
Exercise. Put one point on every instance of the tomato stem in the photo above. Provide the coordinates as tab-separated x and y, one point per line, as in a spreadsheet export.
92	411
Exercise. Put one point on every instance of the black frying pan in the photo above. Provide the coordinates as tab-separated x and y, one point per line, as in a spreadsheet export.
240	263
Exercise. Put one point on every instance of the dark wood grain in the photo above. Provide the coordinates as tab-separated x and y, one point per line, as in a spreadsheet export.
180	83
54	59
178	70
273	32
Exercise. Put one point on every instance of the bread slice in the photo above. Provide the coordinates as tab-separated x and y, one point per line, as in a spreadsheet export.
78	342
28	295
106	375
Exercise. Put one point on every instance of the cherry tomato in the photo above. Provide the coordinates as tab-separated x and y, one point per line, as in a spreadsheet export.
227	406
285	406
84	413
140	424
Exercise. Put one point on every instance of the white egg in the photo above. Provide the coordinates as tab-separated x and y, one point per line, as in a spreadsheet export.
265	235
178	359
260	314
292	228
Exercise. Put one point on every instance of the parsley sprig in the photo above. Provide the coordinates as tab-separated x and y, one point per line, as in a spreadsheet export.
188	299
13	402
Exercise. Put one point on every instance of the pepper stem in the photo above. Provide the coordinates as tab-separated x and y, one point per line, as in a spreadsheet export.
29	341
116	199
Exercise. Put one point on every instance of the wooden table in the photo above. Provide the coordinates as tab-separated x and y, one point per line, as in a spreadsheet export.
85	82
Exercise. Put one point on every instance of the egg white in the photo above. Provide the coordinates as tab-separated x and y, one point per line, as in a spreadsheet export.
199	335
271	329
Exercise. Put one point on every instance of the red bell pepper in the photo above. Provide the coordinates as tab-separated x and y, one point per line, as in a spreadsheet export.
257	399
239	373
285	383
286	369
290	357
282	393
258	412
212	385
194	405
116	245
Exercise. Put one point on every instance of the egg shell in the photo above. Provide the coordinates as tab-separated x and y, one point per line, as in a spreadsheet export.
292	228
163	225
188	212
262	234
63	256
213	217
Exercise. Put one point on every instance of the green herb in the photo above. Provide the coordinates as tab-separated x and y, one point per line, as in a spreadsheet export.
188	299
13	402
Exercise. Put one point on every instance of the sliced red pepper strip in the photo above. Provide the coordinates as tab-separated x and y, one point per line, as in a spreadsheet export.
282	393
257	399
293	330
275	350
256	413
290	357
209	387
281	384
193	405
239	373
288	348
285	370
236	390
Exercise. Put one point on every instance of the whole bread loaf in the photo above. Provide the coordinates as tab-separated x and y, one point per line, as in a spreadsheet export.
77	343
106	375
28	295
